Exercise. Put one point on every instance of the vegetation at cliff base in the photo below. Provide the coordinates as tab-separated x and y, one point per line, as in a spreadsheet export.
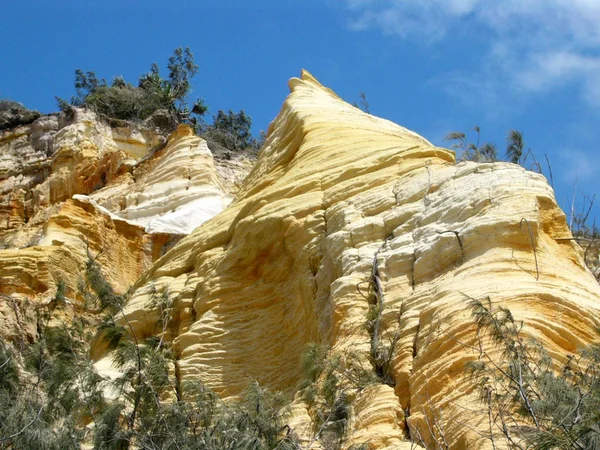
532	400
52	397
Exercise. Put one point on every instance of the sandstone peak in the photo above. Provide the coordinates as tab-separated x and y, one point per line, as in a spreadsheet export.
350	231
337	198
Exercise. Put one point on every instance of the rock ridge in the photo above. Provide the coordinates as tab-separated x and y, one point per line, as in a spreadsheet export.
342	214
333	190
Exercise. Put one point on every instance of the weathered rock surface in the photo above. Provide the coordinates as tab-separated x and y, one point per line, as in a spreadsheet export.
71	190
49	161
335	196
334	192
174	193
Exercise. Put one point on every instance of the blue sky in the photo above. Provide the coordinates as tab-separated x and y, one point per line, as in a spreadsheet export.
433	66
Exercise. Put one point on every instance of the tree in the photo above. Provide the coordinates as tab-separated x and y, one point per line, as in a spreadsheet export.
470	151
488	152
85	84
514	146
322	390
232	130
50	390
124	101
531	400
181	69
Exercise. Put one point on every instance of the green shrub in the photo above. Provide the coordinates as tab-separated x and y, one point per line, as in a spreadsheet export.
232	131
123	101
328	378
533	401
486	152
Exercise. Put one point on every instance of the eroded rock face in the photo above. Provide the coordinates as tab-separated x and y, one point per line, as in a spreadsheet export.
335	196
49	161
71	191
175	193
334	193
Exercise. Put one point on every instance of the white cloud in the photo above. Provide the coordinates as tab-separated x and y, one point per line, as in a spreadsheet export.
405	18
535	45
549	69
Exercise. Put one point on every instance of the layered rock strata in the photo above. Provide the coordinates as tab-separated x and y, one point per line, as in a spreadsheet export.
173	193
54	158
336	196
71	191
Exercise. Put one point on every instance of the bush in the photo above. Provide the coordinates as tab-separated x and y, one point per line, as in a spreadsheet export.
470	151
329	378
531	400
124	101
232	131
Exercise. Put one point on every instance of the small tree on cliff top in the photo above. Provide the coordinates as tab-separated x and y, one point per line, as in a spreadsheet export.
472	151
232	130
123	100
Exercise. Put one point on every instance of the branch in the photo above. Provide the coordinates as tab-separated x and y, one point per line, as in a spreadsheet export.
25	427
532	246
549	170
462	249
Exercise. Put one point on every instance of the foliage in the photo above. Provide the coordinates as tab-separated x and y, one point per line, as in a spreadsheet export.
323	392
383	343
161	102
533	401
364	104
486	152
105	296
45	406
383	350
125	101
52	398
232	130
514	146
586	234
328	378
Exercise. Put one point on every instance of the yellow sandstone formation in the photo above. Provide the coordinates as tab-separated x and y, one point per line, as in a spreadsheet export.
335	195
85	189
49	161
337	199
174	193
